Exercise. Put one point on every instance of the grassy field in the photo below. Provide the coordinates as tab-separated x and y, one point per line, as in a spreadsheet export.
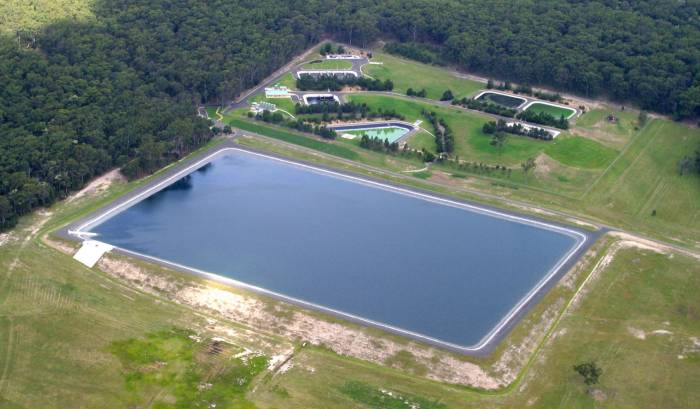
328	65
410	74
288	81
580	152
642	187
552	110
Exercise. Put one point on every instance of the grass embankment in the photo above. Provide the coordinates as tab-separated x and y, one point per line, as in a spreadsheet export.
410	74
555	111
328	65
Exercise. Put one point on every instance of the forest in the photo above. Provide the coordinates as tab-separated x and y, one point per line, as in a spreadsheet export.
120	88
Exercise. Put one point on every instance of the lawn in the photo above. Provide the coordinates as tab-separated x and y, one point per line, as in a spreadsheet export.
328	65
555	111
580	152
288	81
471	143
410	74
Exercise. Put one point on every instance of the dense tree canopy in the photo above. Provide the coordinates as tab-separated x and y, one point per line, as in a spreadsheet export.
646	51
121	90
119	87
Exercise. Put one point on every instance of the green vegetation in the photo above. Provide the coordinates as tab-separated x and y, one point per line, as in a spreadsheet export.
31	16
410	74
176	368
579	152
555	111
288	81
292	137
328	65
384	399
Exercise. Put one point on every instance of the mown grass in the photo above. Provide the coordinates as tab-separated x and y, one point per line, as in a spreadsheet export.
580	152
552	110
471	143
410	74
288	81
328	65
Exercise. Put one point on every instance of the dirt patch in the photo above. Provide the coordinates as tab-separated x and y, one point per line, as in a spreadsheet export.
637	333
6	238
515	356
598	134
544	165
98	186
346	340
598	394
61	246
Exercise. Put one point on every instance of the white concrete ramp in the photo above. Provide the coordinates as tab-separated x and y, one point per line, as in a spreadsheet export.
91	251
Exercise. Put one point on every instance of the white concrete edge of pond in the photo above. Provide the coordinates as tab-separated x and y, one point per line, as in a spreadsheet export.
326	72
505	94
551	104
83	233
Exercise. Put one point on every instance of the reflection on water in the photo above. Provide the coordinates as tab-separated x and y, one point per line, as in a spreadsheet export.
433	269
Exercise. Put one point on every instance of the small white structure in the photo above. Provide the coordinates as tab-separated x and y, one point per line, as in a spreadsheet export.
277	91
343	57
327	72
91	251
259	107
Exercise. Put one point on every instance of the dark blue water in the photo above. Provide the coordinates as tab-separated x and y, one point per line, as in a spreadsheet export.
436	270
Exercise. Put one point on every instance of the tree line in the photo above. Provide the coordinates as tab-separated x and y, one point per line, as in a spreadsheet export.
494	127
444	138
300	125
645	51
328	82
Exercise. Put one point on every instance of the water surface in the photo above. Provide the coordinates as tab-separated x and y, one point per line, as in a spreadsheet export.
437	270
